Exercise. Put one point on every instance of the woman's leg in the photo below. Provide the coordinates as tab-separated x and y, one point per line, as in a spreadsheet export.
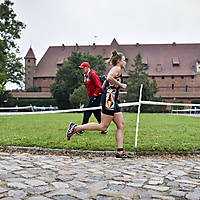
119	121
105	122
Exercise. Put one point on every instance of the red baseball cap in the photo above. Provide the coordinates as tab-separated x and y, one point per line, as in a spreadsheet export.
84	64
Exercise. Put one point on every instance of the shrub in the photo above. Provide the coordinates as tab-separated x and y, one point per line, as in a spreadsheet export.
196	101
33	89
79	97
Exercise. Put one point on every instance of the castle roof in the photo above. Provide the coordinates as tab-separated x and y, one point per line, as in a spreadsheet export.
30	54
162	59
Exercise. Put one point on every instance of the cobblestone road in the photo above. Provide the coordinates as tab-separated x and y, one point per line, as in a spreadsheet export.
26	176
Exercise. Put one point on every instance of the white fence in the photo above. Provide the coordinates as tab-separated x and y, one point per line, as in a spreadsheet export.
190	110
31	108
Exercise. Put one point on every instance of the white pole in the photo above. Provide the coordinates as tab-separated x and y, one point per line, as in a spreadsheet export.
138	115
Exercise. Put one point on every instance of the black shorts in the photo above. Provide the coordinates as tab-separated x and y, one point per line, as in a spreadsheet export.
110	105
111	112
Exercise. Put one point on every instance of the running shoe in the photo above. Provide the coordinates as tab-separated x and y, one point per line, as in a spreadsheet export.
104	132
80	132
71	130
123	155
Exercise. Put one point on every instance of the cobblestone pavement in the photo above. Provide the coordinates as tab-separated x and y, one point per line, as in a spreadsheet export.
27	176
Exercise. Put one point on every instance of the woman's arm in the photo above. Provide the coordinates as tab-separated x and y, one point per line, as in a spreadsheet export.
114	72
104	84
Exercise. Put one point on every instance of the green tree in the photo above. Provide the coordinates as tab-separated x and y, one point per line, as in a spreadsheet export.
81	93
11	68
69	76
138	76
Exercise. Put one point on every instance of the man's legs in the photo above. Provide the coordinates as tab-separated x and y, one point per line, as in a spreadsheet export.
86	117
87	114
97	113
93	102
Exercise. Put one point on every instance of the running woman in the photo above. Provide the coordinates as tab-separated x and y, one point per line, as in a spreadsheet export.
110	109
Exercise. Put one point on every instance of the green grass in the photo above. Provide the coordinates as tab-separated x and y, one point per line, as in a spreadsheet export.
157	132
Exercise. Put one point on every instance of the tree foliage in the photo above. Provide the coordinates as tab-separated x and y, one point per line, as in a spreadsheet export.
69	76
138	76
79	97
11	68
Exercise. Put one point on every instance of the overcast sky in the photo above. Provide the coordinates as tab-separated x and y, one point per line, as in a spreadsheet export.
57	22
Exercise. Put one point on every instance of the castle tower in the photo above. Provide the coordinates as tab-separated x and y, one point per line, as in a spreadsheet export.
30	65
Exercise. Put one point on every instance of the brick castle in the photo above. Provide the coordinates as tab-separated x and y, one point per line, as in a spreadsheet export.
175	67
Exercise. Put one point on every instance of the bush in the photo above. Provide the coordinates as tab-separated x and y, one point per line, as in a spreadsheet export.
36	102
33	89
6	100
12	102
178	107
196	101
79	97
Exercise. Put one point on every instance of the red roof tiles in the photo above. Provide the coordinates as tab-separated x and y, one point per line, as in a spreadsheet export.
30	54
159	57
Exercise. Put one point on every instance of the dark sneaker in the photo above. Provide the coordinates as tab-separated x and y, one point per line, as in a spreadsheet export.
80	132
71	130
122	155
104	132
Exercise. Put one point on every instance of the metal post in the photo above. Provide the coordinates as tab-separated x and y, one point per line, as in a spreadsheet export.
138	115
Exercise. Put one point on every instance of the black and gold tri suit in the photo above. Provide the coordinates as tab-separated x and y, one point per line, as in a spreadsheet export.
110	97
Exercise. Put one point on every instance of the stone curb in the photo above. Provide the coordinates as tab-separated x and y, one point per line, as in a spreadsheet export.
40	150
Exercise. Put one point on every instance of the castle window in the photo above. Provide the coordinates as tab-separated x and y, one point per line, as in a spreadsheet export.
145	61
182	77
163	77
198	65
175	62
193	68
192	76
186	88
159	68
172	86
29	60
60	62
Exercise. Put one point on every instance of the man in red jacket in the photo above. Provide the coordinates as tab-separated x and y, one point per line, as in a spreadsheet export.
94	89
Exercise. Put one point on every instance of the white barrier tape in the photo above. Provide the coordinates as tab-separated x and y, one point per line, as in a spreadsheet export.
16	108
167	104
186	110
49	112
67	111
129	104
26	107
99	107
44	108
